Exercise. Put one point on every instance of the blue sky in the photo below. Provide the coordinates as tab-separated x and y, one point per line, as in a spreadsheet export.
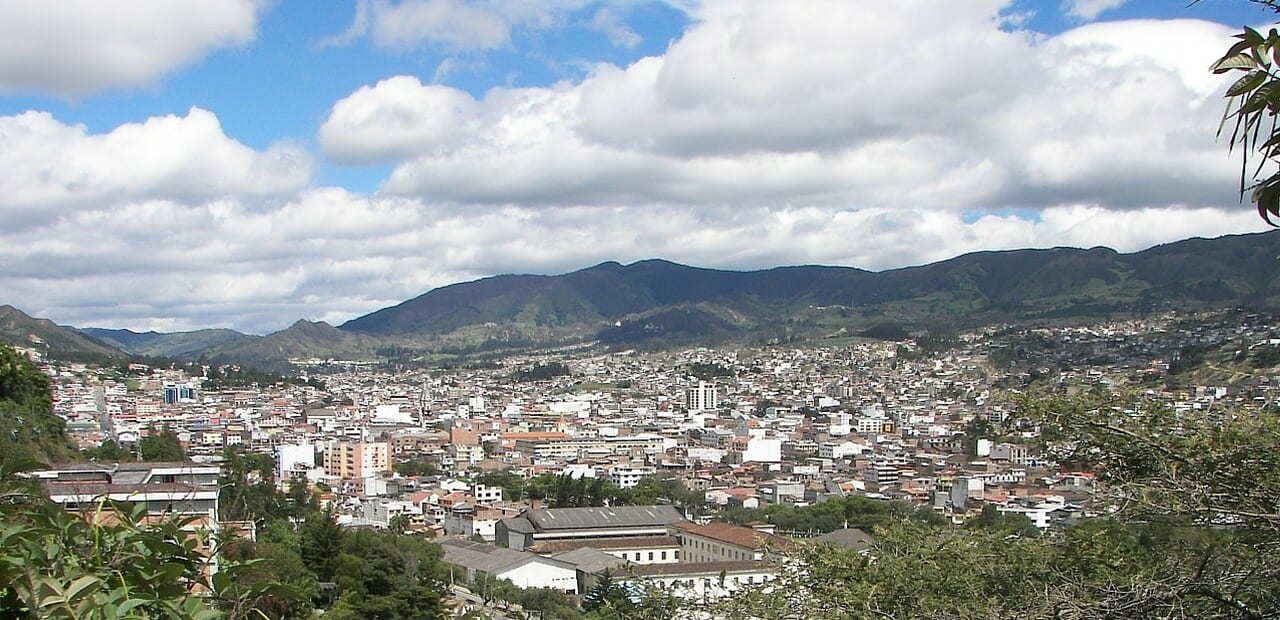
244	163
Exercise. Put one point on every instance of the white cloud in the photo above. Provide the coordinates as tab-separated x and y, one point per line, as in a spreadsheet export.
453	24
71	48
823	103
607	21
397	118
869	134
1089	10
52	168
467	26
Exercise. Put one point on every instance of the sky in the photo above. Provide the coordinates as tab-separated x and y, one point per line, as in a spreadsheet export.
248	163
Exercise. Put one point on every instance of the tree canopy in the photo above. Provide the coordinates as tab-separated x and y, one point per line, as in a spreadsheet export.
28	426
1253	104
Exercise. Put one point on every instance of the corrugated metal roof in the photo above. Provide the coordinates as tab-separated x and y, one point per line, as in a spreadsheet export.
545	519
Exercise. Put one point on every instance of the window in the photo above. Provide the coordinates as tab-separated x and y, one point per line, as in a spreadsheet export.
650	556
664	555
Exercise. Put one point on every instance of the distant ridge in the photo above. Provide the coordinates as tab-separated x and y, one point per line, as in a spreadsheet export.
656	303
16	327
176	345
654	298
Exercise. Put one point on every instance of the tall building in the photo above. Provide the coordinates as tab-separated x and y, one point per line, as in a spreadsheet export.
177	392
351	461
701	398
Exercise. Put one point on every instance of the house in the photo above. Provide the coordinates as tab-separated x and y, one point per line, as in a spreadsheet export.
522	568
187	490
548	524
723	542
701	580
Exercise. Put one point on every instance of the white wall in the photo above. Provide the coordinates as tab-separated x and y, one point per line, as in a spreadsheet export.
539	574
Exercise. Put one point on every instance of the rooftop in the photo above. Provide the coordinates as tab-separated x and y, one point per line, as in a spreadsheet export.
544	519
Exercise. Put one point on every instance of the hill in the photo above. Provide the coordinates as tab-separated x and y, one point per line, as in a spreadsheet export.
28	426
17	328
303	339
658	303
176	345
657	299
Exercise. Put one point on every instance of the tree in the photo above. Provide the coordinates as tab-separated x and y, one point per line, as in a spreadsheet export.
321	543
58	565
161	446
109	451
28	426
607	595
1253	104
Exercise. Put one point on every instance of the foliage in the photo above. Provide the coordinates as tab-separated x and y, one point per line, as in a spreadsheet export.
419	466
709	371
977	428
607	595
110	564
540	372
321	542
833	514
28	426
387	576
247	490
1007	523
1253	103
109	451
161	446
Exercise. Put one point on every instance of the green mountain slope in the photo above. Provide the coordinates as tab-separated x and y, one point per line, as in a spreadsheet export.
28	426
303	339
176	345
42	334
613	301
660	303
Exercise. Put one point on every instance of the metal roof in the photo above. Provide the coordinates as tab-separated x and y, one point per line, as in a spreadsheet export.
544	519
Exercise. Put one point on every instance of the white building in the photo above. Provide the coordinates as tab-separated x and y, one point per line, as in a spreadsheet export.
701	398
524	569
628	476
761	450
701	581
294	457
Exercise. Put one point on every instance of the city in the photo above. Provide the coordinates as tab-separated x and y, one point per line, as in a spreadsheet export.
688	471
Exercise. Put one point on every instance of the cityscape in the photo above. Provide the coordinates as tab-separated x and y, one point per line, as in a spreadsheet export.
639	310
694	467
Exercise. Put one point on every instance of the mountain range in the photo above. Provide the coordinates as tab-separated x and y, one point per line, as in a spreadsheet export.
655	303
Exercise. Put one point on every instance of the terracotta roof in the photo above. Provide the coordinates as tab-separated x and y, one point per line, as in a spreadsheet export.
733	534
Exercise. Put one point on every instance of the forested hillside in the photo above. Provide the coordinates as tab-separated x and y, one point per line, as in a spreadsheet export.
28	427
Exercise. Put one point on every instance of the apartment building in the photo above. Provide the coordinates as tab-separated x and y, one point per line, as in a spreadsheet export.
350	461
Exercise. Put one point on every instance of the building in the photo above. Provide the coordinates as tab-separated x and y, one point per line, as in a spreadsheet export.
634	549
628	476
524	569
290	458
183	490
552	524
178	392
699	581
578	447
351	461
701	398
722	542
